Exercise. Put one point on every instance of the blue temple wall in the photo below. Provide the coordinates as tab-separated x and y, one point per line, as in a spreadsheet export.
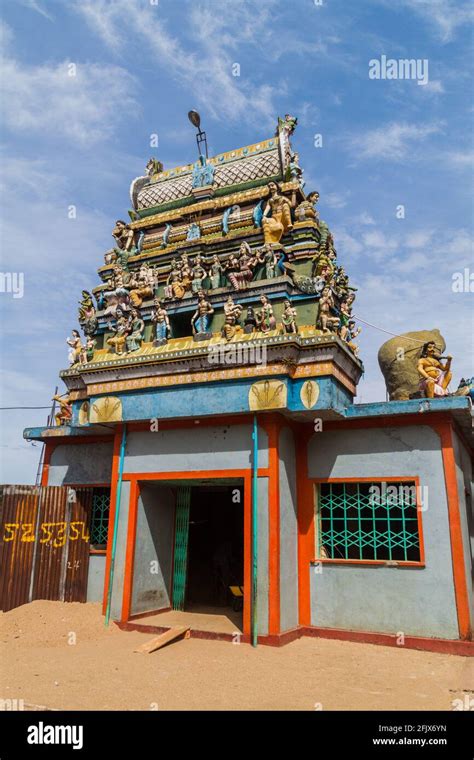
417	601
214	398
465	484
288	531
80	464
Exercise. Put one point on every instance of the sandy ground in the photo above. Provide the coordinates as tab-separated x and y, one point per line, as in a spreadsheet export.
101	671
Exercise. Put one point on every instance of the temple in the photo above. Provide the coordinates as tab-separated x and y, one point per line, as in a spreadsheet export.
210	408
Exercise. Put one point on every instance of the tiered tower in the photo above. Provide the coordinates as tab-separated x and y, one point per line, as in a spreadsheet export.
224	279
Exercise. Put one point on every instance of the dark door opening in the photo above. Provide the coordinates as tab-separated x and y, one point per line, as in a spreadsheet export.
215	550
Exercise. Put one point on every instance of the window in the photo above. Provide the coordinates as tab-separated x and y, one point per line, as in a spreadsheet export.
368	521
100	517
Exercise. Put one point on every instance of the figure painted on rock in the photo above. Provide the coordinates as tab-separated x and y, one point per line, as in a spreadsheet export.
288	318
117	341
201	318
134	339
76	354
160	319
64	415
326	322
215	272
275	226
434	376
265	318
232	313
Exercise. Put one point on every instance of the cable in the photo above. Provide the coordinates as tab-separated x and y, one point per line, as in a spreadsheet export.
395	335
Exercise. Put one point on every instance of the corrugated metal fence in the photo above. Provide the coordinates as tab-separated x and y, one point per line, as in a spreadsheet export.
44	544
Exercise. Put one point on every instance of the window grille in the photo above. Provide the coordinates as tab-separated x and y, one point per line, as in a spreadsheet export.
368	521
100	516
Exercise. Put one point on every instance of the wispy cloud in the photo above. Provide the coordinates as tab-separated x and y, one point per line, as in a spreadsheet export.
393	141
444	17
34	5
206	65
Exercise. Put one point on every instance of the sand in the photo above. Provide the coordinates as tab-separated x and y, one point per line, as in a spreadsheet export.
40	664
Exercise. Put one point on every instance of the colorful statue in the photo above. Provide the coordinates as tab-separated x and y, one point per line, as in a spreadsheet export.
166	236
287	125
307	208
226	217
154	167
194	232
270	260
239	269
120	330
160	319
294	170
64	415
134	339
288	318
250	322
275	226
174	288
142	285
125	238
434	376
198	275
186	272
90	348
348	333
232	313
264	316
203	173
201	318
325	321
87	313
215	272
76	354
118	296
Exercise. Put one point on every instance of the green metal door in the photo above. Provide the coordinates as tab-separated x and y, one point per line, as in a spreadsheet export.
183	501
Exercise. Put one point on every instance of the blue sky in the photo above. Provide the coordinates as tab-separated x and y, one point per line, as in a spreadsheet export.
141	65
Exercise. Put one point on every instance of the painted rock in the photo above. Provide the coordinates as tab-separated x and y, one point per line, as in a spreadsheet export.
398	359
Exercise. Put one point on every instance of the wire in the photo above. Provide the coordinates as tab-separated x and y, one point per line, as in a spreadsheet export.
395	335
3	408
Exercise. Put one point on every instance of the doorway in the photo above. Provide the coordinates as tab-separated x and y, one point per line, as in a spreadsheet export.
211	538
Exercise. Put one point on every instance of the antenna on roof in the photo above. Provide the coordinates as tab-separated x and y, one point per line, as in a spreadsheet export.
201	138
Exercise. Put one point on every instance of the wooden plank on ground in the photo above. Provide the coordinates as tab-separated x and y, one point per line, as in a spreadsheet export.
162	639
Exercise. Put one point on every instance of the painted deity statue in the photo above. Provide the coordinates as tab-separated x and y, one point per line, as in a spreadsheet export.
142	285
288	318
295	172
198	274
160	319
275	226
137	328
174	288
434	376
117	341
76	353
232	312
270	261
215	272
203	173
265	318
186	272
154	167
307	209
239	269
64	414
201	318
326	322
87	313
349	333
250	321
125	239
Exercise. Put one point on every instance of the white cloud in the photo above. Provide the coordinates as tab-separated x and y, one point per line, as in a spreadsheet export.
47	100
206	67
444	16
35	6
392	141
461	159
